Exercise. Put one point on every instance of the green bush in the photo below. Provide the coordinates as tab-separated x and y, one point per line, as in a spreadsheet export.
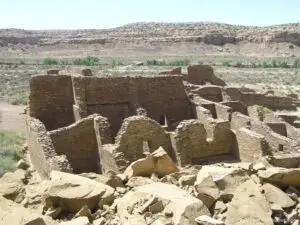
114	63
266	65
296	63
22	62
239	65
226	63
274	63
183	62
10	150
283	64
50	61
18	99
87	61
155	62
64	62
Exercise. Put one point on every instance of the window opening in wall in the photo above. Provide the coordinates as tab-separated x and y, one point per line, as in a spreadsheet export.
163	120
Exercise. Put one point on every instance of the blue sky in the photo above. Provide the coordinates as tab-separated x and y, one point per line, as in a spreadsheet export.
74	14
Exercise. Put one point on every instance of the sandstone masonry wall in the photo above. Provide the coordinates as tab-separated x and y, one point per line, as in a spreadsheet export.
51	100
78	142
119	97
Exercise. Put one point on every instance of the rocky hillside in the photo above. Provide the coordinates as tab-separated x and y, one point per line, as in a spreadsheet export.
155	33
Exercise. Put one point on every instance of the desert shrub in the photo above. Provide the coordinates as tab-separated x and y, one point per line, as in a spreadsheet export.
254	65
239	65
50	61
10	150
87	61
64	62
155	62
114	63
265	65
296	63
283	64
226	63
274	63
22	62
183	62
18	99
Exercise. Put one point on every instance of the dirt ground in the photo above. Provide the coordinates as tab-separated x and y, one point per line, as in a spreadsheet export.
12	117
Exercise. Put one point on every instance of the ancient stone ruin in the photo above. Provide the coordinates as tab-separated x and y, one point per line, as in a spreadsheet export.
171	149
99	124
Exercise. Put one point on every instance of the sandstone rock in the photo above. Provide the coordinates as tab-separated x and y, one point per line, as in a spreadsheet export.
12	185
138	181
72	192
226	179
206	188
281	176
109	179
100	221
187	180
274	195
248	206
292	217
258	166
77	221
21	164
84	212
53	212
141	167
163	164
12	213
219	207
207	220
184	207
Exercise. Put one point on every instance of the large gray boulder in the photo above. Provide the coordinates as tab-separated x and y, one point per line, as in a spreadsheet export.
160	199
249	206
72	192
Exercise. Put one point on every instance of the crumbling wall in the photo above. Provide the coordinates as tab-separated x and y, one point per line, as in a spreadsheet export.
275	141
291	131
223	112
209	92
251	145
119	97
247	98
237	106
137	136
51	100
202	74
41	149
78	142
192	146
135	131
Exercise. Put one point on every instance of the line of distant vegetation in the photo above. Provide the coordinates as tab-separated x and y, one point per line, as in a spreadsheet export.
95	61
274	63
86	61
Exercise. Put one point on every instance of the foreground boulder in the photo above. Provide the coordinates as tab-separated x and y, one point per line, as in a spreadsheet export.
72	192
275	195
168	202
78	221
157	162
281	176
248	206
226	179
12	213
12	185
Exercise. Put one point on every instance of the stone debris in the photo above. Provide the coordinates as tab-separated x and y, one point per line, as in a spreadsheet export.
173	149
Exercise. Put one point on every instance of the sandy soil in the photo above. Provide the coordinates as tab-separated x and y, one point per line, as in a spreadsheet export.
12	117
